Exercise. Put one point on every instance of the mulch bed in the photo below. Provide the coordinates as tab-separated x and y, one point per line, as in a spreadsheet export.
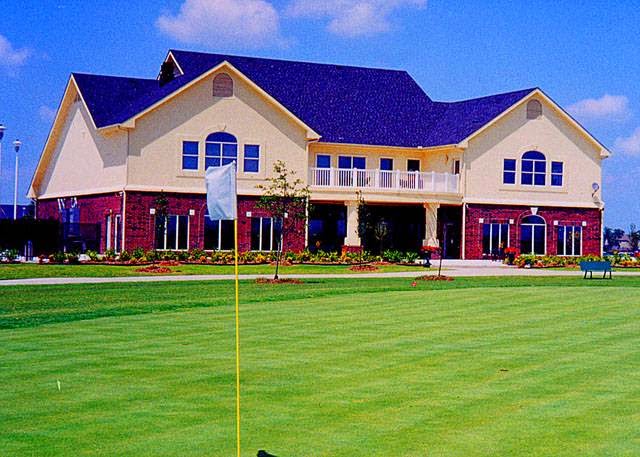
434	278
364	268
278	281
154	269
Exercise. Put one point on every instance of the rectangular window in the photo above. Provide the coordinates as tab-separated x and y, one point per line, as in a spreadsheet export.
386	172
251	158
172	232
495	237
346	176
456	167
218	235
217	153
569	240
413	165
509	171
323	161
265	234
556	173
189	155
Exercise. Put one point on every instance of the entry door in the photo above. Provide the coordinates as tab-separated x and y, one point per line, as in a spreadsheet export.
451	241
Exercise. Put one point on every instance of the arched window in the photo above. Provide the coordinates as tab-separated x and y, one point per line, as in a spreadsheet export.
533	235
221	148
534	169
222	85
534	109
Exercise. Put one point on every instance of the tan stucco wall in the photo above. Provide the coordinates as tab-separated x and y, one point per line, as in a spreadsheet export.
440	160
83	161
514	135
156	141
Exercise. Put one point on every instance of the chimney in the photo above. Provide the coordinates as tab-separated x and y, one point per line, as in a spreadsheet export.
166	73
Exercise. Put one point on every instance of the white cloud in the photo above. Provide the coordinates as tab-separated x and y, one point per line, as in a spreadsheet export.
46	114
610	107
630	144
10	57
252	23
352	18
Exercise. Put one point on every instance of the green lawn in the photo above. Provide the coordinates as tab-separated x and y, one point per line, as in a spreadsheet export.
334	368
20	271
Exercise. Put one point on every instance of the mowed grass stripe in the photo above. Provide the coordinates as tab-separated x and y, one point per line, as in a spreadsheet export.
413	372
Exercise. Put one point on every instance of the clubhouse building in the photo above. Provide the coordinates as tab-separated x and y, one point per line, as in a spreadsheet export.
124	164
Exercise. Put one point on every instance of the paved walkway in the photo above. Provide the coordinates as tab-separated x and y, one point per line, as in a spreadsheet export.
453	268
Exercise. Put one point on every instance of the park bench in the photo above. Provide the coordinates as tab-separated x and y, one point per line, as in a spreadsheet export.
591	266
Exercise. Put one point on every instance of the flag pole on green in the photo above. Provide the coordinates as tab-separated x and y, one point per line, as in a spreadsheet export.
222	204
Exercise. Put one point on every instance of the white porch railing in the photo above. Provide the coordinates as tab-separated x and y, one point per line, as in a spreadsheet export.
382	180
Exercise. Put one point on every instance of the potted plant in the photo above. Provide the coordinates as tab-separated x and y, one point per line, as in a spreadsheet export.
426	252
510	254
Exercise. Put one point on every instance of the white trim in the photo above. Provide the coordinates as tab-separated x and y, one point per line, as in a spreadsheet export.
604	152
529	203
564	240
130	123
175	61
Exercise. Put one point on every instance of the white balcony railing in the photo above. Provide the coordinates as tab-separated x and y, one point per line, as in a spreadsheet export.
382	180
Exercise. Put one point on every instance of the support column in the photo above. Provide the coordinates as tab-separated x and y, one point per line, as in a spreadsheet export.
431	224
352	240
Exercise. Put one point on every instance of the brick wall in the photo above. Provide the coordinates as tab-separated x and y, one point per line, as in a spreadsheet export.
591	233
140	225
93	210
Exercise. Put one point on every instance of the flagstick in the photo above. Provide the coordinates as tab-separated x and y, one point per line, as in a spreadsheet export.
235	233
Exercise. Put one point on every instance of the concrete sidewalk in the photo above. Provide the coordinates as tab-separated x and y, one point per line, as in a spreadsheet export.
455	269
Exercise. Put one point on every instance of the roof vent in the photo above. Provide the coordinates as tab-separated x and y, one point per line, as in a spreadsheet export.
167	73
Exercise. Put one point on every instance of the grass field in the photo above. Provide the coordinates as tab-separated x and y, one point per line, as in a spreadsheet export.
20	271
335	368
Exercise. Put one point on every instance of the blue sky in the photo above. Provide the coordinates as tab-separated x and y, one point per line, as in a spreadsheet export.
585	55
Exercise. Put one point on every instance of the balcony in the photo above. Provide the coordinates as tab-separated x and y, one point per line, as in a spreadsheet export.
385	181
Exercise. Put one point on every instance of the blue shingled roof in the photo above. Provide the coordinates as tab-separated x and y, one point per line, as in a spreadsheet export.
343	104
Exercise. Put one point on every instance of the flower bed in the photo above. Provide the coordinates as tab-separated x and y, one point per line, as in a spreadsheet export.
551	261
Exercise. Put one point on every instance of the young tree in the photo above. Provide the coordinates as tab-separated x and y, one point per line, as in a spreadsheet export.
286	199
634	236
364	222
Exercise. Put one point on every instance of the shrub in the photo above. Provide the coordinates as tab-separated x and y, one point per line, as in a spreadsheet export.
72	258
93	255
138	253
392	255
152	256
57	257
110	255
124	256
196	254
410	257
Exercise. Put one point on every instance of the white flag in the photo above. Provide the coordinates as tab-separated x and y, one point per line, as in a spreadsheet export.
221	192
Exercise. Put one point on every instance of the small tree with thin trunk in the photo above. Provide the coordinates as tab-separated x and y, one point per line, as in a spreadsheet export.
286	199
364	222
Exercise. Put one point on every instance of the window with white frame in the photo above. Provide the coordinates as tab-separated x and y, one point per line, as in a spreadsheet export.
346	174
221	148
189	155
172	232
509	171
251	158
533	235
265	234
495	237
218	235
569	240
557	169
534	169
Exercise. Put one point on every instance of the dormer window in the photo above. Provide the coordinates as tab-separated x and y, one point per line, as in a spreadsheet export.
534	109
222	85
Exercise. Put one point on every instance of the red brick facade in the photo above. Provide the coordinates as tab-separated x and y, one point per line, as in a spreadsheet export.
94	209
139	226
591	232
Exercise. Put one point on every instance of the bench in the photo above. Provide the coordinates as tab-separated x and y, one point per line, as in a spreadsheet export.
591	266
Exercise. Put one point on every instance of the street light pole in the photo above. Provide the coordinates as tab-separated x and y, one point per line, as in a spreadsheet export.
2	129
16	146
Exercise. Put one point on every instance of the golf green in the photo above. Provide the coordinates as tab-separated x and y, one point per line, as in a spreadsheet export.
335	368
